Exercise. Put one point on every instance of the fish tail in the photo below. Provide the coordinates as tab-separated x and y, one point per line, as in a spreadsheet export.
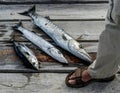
15	44
13	37
17	25
29	11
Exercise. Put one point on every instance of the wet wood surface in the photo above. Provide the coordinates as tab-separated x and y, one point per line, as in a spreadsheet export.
50	1
56	11
84	22
50	83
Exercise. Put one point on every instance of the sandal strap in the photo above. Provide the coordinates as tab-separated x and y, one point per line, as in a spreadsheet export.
78	72
79	82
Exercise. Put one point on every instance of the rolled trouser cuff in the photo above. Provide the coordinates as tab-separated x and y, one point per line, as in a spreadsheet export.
104	71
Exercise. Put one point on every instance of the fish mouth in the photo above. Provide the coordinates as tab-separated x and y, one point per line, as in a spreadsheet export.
57	54
76	50
28	55
33	62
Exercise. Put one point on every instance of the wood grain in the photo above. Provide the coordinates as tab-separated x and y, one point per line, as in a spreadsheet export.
56	11
83	31
10	62
82	21
50	1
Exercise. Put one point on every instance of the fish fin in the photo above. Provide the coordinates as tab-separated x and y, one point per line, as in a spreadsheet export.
48	17
81	46
17	25
15	44
31	10
34	32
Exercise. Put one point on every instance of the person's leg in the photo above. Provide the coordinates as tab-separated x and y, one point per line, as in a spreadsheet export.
108	55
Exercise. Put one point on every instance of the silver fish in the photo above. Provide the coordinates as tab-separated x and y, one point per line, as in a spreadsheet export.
41	43
26	55
60	37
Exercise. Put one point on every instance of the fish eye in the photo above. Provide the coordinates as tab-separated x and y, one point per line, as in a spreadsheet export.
27	53
81	46
33	63
22	45
64	37
59	52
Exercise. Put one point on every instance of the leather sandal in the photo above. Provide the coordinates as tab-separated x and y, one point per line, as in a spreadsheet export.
80	83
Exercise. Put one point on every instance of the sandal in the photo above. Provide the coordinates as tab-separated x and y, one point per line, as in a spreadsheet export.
80	83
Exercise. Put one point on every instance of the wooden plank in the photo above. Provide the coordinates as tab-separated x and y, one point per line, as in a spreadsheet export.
50	83
50	1
12	68
80	30
10	62
81	38
82	17
89	46
57	11
46	0
6	50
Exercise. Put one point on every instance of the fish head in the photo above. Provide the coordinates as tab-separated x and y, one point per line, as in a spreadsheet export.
32	59
34	62
30	56
57	54
79	51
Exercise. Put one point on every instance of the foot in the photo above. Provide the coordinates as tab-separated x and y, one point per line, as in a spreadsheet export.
85	77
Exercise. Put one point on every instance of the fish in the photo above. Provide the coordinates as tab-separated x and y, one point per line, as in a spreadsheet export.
41	43
27	55
60	37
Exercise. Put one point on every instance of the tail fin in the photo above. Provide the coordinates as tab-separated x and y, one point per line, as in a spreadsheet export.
18	25
29	11
13	37
13	40
15	44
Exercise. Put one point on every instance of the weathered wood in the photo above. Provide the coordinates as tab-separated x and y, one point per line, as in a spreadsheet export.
81	38
50	1
6	50
57	11
52	17
50	83
89	46
12	68
47	0
81	30
14	62
10	62
36	82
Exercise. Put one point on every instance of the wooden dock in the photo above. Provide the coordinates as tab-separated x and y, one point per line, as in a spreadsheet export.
82	19
84	22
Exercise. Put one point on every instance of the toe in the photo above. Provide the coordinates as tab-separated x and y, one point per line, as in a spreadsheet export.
85	76
72	82
72	76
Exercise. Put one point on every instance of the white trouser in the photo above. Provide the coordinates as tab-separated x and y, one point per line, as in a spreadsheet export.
108	55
